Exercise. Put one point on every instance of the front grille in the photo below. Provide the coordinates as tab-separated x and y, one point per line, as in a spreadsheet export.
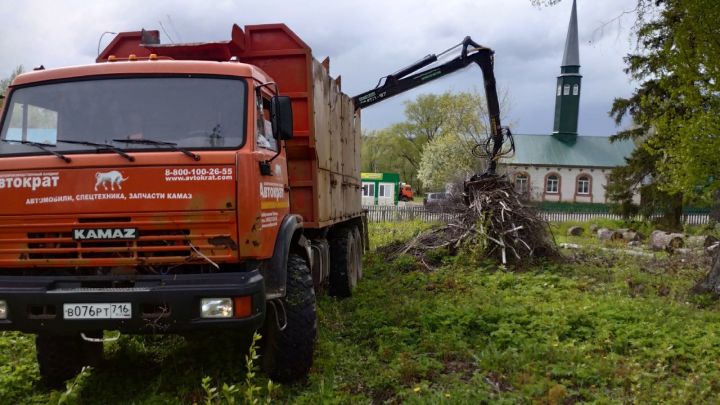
163	240
150	243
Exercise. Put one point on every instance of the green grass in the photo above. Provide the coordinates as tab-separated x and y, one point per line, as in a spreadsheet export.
601	328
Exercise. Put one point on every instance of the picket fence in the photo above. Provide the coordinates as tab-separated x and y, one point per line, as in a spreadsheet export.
559	216
384	213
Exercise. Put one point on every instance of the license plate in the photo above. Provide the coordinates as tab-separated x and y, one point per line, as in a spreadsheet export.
122	310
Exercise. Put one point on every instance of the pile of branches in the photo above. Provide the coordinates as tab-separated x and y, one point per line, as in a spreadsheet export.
491	216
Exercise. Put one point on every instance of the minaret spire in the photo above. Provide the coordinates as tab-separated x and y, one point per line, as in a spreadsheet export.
567	95
571	56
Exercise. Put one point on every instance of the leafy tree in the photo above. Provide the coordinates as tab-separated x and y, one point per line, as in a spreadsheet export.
4	83
388	151
452	123
445	160
676	106
425	117
398	148
448	157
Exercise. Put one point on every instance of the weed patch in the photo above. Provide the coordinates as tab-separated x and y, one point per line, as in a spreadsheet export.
600	327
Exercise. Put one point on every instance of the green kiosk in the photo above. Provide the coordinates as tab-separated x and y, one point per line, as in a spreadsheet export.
380	188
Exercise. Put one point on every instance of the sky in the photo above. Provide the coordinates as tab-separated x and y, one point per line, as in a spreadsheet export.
365	41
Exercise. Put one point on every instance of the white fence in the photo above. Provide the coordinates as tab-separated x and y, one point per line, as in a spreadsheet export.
558	216
378	213
382	213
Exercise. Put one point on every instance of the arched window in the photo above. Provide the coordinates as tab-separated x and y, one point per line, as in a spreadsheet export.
522	183
583	184
559	91
576	89
552	183
566	90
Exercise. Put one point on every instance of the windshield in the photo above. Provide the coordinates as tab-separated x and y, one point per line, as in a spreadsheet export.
197	112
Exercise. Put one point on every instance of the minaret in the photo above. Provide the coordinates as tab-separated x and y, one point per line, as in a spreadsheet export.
567	93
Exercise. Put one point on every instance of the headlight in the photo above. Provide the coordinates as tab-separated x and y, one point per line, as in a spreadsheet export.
3	309
216	308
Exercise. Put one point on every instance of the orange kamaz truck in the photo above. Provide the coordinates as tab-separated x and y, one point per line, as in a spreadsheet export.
170	188
181	187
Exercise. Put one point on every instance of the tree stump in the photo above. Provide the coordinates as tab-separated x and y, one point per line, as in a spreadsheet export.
712	249
710	241
605	234
700	241
660	240
711	282
631	236
575	231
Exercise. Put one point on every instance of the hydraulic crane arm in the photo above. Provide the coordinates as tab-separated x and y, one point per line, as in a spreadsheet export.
409	78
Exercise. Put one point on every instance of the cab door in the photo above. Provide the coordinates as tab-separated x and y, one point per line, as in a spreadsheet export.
273	187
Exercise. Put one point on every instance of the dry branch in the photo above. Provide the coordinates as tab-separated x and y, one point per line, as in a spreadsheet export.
496	219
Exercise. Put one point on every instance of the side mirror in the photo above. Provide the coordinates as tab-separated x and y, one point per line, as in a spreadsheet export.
281	117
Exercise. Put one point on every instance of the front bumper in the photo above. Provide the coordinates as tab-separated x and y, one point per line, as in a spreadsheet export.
160	304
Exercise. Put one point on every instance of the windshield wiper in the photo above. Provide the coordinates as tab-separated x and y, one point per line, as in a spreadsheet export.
41	146
101	146
172	145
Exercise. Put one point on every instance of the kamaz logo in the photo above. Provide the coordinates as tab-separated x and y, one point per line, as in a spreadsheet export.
105	234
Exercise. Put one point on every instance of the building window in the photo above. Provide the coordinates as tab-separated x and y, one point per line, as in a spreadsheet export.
368	190
559	91
576	89
522	181
381	190
551	183
583	185
566	90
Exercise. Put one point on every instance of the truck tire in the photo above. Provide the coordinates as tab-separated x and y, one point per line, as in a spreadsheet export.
288	353
62	357
343	263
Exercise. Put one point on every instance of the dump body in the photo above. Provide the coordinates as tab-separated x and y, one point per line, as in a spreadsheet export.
324	156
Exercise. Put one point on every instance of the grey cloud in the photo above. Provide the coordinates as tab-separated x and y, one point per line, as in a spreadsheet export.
365	40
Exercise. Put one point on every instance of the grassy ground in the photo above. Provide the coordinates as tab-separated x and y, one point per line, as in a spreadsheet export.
600	328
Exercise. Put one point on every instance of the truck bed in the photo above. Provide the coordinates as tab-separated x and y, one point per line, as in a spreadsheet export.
324	157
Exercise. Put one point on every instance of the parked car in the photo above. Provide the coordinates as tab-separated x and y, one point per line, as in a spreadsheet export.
436	200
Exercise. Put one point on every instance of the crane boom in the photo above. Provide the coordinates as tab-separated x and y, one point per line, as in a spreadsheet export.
408	78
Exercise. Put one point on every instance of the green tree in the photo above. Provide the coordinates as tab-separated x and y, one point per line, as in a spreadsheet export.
676	105
5	83
389	151
451	122
399	148
446	159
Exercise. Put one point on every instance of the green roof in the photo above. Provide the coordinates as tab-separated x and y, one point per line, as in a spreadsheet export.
587	151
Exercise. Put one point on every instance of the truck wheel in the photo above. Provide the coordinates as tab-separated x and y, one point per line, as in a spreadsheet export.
62	357
343	263
288	354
